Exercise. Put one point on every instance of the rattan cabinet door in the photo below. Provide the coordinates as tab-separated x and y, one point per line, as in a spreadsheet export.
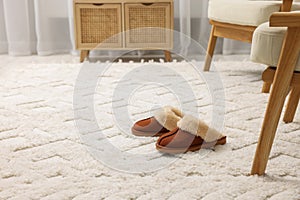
98	26
148	26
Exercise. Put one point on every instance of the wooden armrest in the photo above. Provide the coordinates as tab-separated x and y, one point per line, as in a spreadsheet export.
286	5
285	19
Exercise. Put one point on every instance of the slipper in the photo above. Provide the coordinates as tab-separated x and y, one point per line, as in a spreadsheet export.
190	135
163	121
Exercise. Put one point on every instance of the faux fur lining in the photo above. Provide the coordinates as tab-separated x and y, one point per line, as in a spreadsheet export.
199	128
168	117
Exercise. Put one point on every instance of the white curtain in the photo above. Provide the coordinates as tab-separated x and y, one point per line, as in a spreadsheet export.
35	26
45	27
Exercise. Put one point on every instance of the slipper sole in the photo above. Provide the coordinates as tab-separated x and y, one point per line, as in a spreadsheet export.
145	134
206	145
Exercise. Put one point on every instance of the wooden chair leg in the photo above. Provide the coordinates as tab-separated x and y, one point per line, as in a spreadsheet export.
168	56
84	54
210	49
266	87
265	142
268	78
292	105
283	77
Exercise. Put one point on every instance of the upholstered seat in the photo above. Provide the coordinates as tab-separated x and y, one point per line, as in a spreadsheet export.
267	43
238	19
244	12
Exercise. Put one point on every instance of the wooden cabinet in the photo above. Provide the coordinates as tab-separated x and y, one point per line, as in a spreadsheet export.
123	24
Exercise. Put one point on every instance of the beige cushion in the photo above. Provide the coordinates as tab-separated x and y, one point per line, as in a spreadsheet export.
244	12
266	45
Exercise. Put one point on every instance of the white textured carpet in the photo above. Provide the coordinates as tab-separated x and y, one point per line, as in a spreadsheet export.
43	157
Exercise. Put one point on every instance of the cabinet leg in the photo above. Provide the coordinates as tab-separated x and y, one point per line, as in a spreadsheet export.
84	54
168	56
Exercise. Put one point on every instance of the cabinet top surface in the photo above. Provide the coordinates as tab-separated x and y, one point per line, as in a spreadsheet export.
121	1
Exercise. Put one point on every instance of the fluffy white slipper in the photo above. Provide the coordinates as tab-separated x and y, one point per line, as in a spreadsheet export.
197	127
168	117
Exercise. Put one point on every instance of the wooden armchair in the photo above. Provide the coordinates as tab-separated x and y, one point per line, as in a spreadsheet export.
284	77
237	19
